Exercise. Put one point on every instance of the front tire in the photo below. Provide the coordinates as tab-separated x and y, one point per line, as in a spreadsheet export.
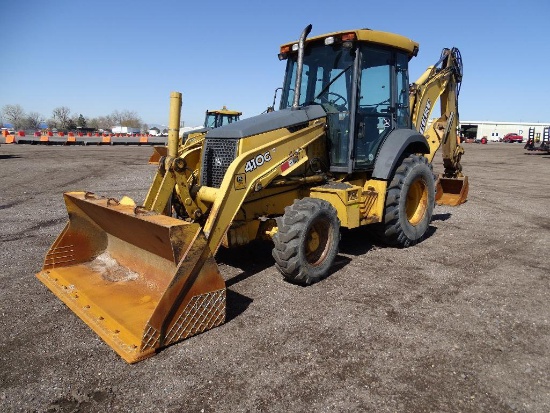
306	242
409	202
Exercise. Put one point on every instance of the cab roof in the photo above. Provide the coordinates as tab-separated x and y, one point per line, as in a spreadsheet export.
224	111
371	36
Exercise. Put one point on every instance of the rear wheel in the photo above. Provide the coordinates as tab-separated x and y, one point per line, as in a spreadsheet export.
306	242
409	202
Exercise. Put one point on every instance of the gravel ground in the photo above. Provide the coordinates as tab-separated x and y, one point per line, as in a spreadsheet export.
459	322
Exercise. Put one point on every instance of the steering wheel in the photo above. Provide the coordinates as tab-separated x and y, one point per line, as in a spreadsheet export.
338	97
340	107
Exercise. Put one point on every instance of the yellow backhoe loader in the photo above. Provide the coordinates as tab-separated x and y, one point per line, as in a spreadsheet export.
213	119
350	146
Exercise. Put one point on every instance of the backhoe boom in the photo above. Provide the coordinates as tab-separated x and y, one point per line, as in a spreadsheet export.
442	82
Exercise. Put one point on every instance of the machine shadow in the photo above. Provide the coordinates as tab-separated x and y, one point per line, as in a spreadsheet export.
256	257
441	217
543	154
357	241
236	304
429	232
251	259
9	157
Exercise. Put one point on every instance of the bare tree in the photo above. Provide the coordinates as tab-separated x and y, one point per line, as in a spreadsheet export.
116	118
93	123
101	122
126	118
14	114
131	119
33	120
61	117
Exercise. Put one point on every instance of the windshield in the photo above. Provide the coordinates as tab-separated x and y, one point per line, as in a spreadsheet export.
215	120
326	78
370	78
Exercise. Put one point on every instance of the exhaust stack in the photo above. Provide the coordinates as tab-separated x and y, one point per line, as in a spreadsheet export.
300	66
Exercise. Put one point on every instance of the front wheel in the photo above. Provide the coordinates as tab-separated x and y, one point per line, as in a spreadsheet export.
409	202
306	242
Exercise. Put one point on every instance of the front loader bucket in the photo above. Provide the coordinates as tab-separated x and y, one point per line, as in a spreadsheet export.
158	153
451	191
140	280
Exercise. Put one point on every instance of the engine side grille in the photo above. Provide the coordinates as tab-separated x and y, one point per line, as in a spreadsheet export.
216	158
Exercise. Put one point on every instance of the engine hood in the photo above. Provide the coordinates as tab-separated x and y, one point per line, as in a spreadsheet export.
267	122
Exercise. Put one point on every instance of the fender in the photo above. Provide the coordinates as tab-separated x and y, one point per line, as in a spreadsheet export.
393	147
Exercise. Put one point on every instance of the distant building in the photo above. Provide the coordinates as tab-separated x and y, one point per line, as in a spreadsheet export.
495	131
125	129
154	131
187	129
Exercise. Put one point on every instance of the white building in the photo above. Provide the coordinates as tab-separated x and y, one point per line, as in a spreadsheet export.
125	129
495	131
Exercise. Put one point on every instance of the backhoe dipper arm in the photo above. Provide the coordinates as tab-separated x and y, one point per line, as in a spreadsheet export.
441	81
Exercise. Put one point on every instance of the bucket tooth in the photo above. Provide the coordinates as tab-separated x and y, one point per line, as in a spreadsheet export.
140	281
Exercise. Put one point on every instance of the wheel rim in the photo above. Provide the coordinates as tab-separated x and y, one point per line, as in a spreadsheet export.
417	201
318	242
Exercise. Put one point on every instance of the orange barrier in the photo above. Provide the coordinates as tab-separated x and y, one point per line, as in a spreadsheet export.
71	138
61	133
10	139
106	139
143	139
44	138
21	133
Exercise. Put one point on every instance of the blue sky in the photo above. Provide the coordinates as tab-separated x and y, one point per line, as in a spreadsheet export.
99	56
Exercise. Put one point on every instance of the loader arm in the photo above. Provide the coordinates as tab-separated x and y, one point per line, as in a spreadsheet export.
227	200
441	82
174	178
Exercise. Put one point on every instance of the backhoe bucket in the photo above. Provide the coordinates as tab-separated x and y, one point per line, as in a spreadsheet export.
140	280
451	191
158	152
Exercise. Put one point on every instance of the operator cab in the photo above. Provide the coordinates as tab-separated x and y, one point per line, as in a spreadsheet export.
360	78
216	118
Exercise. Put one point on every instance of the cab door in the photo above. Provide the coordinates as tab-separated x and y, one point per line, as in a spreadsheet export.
382	102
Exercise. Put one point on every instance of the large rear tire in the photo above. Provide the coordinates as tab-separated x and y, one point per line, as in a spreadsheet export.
306	242
409	202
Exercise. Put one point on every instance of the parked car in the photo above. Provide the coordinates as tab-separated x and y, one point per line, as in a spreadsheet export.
512	137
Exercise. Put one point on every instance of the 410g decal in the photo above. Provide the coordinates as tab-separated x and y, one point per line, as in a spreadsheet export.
259	160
